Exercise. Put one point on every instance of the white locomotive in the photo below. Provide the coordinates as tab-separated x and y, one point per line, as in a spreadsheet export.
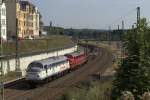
43	69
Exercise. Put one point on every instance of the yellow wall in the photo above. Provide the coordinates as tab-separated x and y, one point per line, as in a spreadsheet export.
25	21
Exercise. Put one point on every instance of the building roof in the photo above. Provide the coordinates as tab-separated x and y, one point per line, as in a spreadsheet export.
23	4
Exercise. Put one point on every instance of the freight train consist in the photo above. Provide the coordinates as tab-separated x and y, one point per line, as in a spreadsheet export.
42	70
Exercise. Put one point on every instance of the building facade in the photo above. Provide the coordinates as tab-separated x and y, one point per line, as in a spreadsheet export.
3	28
36	22
27	19
11	18
18	18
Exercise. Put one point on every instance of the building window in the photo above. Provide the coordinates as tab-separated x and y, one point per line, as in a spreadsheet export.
3	22
3	11
24	15
3	32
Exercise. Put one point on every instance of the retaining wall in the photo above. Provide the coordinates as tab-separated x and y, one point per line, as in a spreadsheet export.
9	64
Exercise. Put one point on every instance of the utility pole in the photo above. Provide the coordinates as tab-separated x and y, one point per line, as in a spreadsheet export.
138	19
109	33
118	27
17	45
122	25
132	26
47	47
121	38
50	27
57	30
1	60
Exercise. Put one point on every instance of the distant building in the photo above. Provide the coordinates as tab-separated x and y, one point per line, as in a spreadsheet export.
3	26
36	22
24	19
41	24
19	17
27	19
44	33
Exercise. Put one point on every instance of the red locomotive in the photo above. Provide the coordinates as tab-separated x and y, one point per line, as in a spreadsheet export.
76	59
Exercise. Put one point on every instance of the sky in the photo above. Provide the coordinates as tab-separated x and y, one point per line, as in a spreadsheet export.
92	14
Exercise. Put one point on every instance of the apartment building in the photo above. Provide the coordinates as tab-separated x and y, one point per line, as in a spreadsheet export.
3	25
19	18
27	19
36	22
10	18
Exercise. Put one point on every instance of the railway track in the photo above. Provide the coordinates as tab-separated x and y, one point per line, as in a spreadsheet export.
56	88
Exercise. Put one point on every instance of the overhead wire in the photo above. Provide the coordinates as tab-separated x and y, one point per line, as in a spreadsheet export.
121	18
126	15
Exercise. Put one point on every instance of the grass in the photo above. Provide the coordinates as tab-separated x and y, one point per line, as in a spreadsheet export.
96	91
10	76
44	44
103	44
28	46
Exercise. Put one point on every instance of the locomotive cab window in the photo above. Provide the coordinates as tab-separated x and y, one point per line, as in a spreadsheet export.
34	67
45	67
39	65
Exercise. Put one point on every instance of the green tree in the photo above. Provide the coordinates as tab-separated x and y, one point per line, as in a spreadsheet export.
134	71
144	36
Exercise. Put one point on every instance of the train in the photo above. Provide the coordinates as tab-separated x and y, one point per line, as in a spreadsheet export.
42	70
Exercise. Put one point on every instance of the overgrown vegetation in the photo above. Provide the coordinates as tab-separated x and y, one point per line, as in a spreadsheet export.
101	35
134	71
53	30
38	45
95	91
10	76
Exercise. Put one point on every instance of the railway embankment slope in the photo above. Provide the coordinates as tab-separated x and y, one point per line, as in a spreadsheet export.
99	86
80	79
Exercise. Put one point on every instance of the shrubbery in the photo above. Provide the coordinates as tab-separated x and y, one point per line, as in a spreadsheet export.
134	71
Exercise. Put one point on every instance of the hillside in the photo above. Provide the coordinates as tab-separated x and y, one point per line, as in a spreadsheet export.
37	45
